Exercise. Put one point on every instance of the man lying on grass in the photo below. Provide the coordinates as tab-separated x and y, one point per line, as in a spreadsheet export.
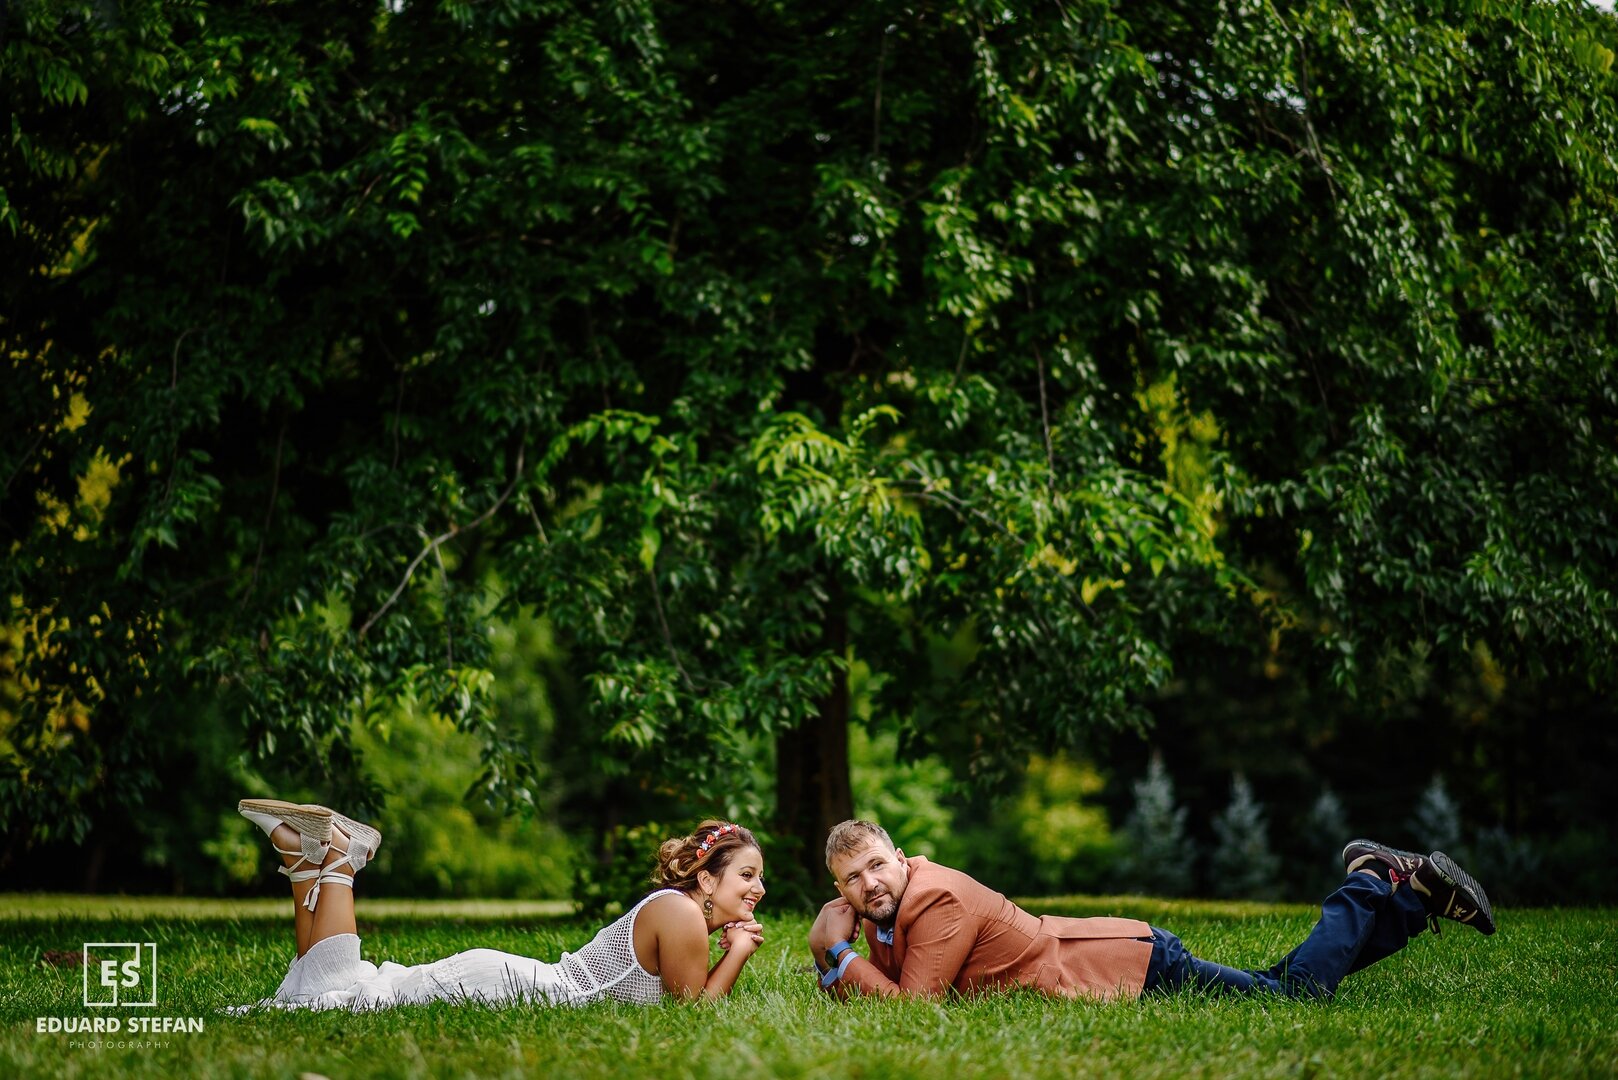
931	929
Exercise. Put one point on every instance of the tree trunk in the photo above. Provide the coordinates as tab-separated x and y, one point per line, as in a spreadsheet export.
812	788
93	866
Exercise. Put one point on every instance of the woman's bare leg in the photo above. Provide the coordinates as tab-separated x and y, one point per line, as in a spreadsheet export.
303	920
334	913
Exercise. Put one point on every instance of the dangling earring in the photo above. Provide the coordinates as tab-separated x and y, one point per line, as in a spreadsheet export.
707	907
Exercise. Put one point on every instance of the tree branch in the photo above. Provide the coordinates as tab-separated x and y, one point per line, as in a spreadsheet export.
269	514
876	109
449	636
434	543
1045	421
24	459
960	361
1044	406
1308	124
961	508
668	637
176	597
538	525
398	414
174	391
174	359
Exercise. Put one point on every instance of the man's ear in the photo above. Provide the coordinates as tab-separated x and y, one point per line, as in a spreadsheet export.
841	891
899	851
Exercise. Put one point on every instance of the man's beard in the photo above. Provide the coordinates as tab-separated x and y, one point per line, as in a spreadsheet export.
888	908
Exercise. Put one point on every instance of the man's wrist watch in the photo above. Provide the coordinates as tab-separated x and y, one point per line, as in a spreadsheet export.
839	956
835	953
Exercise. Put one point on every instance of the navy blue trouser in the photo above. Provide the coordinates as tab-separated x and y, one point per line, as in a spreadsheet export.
1362	922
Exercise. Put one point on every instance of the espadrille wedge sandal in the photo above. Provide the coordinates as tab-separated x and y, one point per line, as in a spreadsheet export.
313	826
363	839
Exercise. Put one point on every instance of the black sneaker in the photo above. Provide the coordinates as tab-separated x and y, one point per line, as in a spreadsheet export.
1390	864
1451	893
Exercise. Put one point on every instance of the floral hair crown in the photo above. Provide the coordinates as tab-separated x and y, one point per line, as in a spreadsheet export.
713	837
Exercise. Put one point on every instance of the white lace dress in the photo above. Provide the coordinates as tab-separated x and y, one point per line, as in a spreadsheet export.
331	975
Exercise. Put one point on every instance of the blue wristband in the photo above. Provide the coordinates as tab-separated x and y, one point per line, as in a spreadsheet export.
845	957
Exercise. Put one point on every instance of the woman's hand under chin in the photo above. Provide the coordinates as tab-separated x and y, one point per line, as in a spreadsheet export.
743	937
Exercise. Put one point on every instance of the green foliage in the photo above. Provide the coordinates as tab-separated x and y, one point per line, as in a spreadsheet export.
1513	866
1435	820
1046	835
439	842
1080	337
610	884
1576	865
907	798
1242	862
1326	831
189	836
1158	856
1064	832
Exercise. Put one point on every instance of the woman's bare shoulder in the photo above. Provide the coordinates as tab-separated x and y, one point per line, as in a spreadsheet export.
673	911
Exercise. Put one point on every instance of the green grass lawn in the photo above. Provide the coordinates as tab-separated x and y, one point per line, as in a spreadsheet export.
1537	999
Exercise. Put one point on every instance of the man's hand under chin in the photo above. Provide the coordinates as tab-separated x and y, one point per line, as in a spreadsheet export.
836	922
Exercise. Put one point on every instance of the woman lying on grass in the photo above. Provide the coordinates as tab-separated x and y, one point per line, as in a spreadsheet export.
708	881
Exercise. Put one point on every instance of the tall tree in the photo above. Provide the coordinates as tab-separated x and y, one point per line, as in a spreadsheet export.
1012	349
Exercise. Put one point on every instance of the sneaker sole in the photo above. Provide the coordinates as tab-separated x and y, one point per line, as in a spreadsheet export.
1467	884
1373	846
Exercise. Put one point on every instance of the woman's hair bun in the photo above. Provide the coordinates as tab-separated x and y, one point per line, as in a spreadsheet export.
710	847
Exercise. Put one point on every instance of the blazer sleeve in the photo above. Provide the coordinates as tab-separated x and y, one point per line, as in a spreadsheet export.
936	947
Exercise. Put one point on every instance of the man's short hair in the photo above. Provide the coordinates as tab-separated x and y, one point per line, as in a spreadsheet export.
849	836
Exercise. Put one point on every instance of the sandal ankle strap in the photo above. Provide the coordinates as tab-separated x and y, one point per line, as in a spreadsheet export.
330	873
326	875
312	873
313	860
